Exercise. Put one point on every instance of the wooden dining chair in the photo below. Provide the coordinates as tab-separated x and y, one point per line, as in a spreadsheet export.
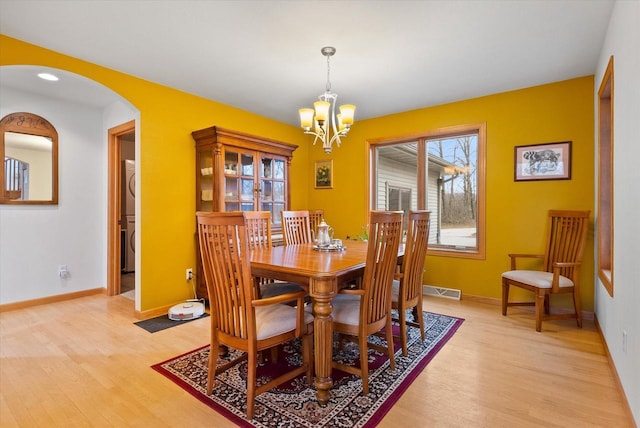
560	272
238	320
365	311
259	235
296	227
315	217
407	287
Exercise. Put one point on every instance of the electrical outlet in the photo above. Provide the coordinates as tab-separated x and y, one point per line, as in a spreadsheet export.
63	272
624	341
189	274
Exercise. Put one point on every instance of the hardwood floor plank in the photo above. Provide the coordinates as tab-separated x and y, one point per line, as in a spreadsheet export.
83	362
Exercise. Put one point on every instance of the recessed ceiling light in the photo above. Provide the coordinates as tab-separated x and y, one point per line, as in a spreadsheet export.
48	76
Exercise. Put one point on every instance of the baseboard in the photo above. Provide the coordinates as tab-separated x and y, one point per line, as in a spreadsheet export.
51	299
495	301
625	402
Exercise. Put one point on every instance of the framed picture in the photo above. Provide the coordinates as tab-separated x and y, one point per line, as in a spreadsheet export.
550	161
324	174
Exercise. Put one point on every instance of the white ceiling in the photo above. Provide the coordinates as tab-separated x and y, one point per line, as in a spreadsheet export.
264	56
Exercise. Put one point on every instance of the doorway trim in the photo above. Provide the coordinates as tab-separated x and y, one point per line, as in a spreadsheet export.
114	241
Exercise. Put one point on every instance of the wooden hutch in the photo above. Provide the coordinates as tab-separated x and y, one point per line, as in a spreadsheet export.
241	172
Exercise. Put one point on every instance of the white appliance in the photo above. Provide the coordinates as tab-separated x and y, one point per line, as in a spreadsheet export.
130	244
188	310
128	223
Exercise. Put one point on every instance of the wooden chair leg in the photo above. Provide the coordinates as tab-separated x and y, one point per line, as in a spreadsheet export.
402	319
546	304
578	307
392	360
420	318
364	364
539	311
213	359
505	296
251	383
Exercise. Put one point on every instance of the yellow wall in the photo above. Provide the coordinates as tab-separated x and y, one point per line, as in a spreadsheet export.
515	212
167	163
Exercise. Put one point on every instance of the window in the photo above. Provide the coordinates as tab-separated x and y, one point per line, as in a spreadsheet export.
605	179
441	171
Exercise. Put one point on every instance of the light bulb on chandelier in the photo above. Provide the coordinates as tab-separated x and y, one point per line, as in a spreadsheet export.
326	122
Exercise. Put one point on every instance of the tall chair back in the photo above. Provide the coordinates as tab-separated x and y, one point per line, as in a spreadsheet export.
296	227
415	252
385	230
566	240
258	228
225	258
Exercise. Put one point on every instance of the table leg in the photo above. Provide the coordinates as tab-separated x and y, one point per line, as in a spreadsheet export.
322	293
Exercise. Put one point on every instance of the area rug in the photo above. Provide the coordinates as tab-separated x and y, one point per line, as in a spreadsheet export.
294	404
163	322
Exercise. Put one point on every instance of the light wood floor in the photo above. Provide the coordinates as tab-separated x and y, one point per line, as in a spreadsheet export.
84	363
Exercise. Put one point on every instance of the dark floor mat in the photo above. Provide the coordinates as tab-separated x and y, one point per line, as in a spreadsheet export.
163	322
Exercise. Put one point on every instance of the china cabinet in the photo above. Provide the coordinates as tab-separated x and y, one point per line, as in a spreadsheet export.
241	172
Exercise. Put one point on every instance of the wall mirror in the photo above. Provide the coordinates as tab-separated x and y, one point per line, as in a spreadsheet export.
29	148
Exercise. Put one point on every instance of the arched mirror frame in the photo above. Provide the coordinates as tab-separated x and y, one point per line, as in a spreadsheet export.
30	124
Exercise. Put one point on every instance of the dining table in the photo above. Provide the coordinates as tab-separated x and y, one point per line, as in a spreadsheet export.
322	273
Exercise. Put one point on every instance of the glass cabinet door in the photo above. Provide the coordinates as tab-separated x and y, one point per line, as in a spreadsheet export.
272	184
239	180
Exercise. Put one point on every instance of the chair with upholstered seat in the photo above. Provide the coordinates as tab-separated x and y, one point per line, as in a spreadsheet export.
239	320
296	227
259	235
407	287
365	311
560	273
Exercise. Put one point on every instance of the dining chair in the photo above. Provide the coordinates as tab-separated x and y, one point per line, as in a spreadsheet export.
238	320
407	287
560	271
365	311
296	227
259	235
315	217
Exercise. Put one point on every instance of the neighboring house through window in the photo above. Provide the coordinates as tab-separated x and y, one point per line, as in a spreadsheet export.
441	171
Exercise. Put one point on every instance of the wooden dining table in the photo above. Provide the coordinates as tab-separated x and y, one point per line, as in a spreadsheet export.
323	273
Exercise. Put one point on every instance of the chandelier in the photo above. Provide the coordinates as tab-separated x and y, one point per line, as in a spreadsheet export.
327	126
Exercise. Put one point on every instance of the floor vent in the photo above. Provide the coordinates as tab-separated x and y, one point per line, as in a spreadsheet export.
446	293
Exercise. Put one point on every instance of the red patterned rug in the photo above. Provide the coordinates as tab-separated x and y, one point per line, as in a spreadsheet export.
293	404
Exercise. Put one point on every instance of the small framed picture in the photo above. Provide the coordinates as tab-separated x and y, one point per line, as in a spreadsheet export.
324	174
549	161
